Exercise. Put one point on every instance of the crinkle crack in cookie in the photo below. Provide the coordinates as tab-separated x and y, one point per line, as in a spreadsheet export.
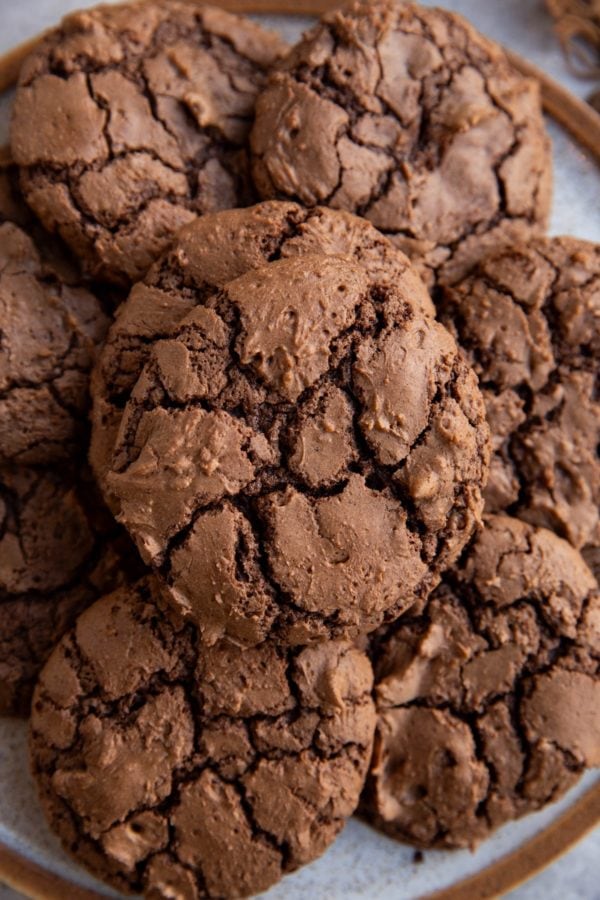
215	249
129	120
304	456
529	321
488	703
50	329
179	770
12	206
57	555
409	117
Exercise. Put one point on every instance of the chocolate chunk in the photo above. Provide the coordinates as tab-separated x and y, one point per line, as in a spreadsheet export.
488	703
303	456
176	769
409	117
130	120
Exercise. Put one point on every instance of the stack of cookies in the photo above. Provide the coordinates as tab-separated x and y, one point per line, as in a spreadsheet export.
328	544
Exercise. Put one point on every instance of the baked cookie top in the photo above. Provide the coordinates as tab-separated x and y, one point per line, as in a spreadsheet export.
58	552
488	703
131	119
304	456
12	206
529	321
51	328
407	116
175	769
206	254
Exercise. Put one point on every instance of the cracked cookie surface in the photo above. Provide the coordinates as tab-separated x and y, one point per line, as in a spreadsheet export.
409	117
488	703
304	456
51	327
130	120
529	322
58	553
175	769
208	253
12	206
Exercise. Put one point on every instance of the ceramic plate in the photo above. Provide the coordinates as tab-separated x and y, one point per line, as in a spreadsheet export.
362	863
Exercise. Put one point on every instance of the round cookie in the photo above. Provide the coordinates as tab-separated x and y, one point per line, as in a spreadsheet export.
131	119
57	555
197	772
488	703
409	117
206	254
50	331
529	320
304	456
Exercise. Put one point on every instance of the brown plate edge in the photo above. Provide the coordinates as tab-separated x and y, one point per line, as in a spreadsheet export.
544	848
504	875
535	854
32	880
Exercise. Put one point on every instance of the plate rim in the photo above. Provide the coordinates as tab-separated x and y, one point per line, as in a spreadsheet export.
505	874
513	868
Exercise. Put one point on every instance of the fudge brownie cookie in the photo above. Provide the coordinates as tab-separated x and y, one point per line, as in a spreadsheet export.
12	206
58	553
488	703
178	770
128	120
529	320
304	456
51	327
409	117
212	250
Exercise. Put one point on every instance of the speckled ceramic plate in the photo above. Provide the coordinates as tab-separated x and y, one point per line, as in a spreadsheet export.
362	863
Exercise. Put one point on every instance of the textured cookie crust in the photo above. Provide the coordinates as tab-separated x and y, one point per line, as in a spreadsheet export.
208	253
51	327
489	703
184	771
129	120
304	456
409	117
529	321
12	206
58	553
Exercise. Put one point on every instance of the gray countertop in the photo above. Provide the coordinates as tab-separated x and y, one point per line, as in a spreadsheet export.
524	26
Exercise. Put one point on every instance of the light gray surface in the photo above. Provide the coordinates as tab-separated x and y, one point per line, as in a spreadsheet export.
362	864
569	878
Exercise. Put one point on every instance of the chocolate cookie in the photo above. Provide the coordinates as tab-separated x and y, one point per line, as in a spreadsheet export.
409	117
304	456
179	770
208	253
12	206
529	320
58	553
51	326
131	119
489	703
